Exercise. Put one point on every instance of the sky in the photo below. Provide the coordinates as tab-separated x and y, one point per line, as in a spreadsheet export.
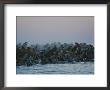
49	29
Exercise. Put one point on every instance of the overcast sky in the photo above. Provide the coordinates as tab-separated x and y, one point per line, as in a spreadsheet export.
44	30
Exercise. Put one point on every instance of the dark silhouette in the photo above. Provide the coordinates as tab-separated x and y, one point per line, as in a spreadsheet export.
54	53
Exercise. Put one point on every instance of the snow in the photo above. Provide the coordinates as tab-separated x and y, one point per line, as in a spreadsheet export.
78	68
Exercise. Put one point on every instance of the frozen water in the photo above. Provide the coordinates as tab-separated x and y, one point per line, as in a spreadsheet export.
78	68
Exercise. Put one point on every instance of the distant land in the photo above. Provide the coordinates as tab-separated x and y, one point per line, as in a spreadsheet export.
54	53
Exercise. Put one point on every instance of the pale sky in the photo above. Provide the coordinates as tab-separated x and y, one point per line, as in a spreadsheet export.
42	29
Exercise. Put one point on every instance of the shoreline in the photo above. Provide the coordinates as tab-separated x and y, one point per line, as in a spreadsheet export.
78	68
59	63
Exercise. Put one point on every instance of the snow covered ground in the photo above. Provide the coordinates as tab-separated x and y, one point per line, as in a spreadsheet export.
78	68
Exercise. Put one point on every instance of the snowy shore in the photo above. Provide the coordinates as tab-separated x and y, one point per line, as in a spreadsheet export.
77	68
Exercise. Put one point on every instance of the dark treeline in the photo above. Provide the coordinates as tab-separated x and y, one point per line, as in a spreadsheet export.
53	53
